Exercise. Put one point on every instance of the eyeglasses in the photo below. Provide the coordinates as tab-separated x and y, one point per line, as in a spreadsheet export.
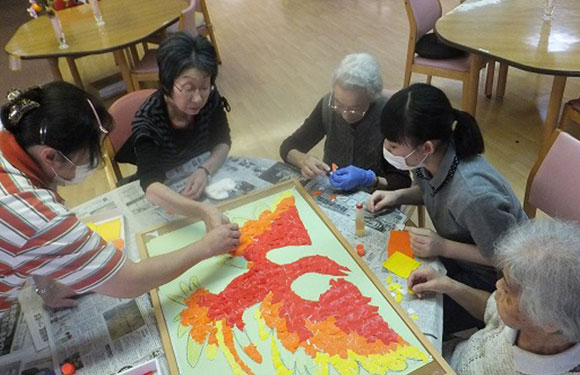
189	91
341	110
100	124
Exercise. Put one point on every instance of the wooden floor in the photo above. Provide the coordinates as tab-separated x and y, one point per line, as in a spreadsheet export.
278	56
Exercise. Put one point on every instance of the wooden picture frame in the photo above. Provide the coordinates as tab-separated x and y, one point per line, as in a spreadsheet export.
437	366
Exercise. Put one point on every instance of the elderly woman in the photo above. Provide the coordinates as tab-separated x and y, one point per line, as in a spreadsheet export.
182	120
349	117
533	318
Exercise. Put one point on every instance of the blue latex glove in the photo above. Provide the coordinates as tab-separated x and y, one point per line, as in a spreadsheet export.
350	177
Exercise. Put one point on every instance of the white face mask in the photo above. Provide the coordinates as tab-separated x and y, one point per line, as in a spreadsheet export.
400	162
81	174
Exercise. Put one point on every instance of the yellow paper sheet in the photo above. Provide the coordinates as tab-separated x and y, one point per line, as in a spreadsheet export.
109	231
400	264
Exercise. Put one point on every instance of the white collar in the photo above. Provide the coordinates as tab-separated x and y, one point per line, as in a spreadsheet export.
536	364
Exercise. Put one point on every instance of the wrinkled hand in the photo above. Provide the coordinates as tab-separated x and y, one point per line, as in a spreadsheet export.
214	218
426	280
223	239
195	185
425	242
381	199
350	177
312	167
55	295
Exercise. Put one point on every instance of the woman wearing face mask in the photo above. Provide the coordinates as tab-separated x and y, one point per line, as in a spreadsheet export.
53	137
468	201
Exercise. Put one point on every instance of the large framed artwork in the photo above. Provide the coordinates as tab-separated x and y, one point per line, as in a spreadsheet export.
293	298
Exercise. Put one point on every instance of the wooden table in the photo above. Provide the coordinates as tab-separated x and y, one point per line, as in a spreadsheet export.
514	32
127	22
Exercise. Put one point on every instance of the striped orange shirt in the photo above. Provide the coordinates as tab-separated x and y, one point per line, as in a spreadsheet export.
39	235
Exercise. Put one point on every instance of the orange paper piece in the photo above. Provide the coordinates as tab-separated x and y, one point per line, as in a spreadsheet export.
400	264
399	240
119	243
334	167
332	197
316	192
253	353
360	249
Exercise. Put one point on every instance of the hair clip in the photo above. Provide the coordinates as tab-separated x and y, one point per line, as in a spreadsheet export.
453	125
19	109
13	95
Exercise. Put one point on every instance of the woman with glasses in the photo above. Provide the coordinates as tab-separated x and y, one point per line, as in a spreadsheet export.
468	201
182	120
53	137
349	118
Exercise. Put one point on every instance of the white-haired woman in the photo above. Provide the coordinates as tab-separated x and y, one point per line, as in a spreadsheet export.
533	318
349	117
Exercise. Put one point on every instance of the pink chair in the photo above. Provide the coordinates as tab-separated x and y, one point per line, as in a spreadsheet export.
553	181
146	69
422	15
123	111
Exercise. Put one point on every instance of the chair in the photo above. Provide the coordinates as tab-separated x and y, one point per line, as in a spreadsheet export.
571	113
553	181
123	111
145	69
422	16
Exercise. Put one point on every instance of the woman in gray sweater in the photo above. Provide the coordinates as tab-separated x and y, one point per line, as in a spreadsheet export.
349	117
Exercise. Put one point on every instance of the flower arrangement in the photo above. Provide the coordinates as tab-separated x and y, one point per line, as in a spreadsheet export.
48	7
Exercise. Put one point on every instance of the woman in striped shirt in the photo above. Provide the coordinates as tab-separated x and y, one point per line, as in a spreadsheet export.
53	137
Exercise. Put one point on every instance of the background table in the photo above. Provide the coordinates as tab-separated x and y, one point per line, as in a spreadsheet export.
248	174
127	22
514	32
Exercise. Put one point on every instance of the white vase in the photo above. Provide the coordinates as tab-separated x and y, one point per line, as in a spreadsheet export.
97	12
57	27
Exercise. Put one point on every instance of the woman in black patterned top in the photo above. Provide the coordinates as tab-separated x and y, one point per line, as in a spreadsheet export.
183	119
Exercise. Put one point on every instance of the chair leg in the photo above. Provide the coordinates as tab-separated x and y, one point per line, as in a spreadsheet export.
429	79
529	209
472	84
421	216
565	117
136	83
502	79
489	78
407	78
214	42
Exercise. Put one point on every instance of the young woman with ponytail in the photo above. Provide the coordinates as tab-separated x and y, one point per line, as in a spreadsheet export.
470	204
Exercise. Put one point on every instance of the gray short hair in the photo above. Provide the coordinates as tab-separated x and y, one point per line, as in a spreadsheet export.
359	70
543	258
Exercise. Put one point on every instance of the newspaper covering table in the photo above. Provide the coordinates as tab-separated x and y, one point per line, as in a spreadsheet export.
104	335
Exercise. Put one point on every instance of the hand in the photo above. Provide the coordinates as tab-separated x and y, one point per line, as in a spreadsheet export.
425	242
426	280
195	184
312	167
350	177
214	218
54	294
222	239
381	199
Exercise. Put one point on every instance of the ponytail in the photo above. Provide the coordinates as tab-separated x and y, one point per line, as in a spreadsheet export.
422	112
466	135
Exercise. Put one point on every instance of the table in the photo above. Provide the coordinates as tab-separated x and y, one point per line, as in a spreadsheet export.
514	32
139	214
127	22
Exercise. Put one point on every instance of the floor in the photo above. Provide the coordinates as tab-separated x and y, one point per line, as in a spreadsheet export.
278	56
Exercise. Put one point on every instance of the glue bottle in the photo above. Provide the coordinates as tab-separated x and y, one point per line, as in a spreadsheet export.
359	223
